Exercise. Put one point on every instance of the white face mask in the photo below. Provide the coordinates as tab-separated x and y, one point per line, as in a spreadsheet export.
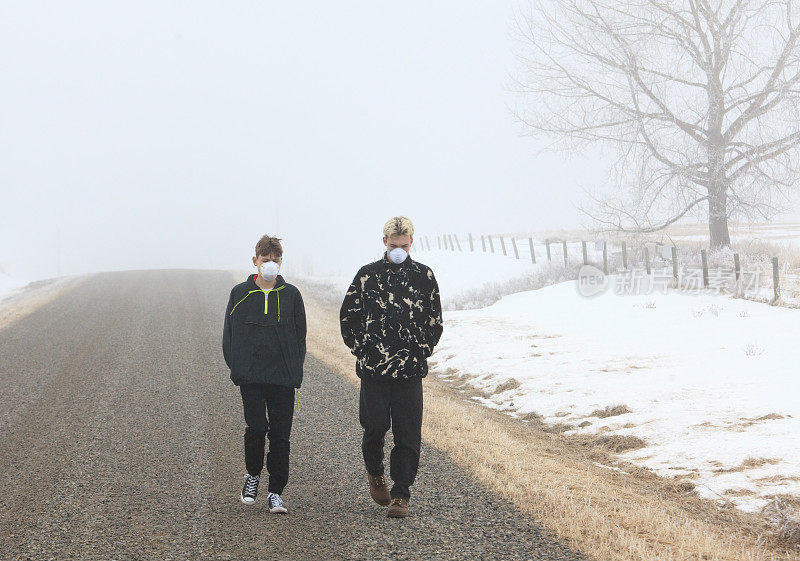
269	270
398	255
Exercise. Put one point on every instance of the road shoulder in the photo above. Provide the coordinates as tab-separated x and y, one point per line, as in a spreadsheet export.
33	296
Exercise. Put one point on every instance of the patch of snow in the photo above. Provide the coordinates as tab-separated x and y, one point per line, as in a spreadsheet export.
612	468
708	406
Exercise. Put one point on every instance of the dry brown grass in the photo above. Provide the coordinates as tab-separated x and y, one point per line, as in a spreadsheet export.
739	492
34	296
619	443
749	463
557	428
746	423
786	516
777	479
510	384
610	411
552	478
769	417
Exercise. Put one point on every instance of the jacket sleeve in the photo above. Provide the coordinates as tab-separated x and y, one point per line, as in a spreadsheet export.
300	325
226	332
351	318
434	324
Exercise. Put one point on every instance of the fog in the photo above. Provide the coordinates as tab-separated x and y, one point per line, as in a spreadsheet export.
159	135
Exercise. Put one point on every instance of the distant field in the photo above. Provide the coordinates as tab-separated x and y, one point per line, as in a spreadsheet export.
774	232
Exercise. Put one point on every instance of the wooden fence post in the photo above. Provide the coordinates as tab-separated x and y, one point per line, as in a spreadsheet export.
737	267
483	243
647	260
514	243
533	253
503	245
675	263
704	259
439	242
605	258
471	246
776	286
458	243
565	251
547	245
585	256
624	255
491	244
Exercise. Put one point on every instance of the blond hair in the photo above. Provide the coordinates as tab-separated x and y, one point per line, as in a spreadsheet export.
398	226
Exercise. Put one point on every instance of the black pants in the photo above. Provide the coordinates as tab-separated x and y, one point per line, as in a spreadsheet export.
268	411
397	404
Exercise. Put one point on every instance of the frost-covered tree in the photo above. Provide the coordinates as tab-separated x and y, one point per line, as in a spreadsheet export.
698	98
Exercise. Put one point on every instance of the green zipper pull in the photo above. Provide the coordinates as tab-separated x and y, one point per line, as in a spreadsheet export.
266	299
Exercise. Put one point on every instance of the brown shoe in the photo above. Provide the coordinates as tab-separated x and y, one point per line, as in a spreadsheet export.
378	489
398	508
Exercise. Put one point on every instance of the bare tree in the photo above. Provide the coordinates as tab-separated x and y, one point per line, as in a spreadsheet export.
698	98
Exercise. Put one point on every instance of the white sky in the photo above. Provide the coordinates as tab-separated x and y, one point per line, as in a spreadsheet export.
173	134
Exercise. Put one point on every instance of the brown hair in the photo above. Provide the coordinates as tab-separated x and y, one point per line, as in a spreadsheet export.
269	245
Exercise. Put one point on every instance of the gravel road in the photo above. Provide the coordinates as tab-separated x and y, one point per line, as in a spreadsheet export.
122	439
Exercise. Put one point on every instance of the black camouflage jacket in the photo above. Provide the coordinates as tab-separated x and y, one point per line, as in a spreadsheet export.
391	318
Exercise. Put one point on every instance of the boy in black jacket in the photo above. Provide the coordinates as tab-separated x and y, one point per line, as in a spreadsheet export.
264	345
391	318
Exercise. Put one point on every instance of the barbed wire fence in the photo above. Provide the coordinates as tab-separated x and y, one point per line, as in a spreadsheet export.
754	276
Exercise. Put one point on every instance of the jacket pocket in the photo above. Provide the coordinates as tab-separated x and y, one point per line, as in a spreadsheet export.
261	319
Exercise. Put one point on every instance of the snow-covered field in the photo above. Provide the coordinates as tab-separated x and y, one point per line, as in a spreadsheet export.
779	233
711	382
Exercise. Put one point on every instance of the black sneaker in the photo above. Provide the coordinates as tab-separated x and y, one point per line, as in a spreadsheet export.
276	504
250	489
